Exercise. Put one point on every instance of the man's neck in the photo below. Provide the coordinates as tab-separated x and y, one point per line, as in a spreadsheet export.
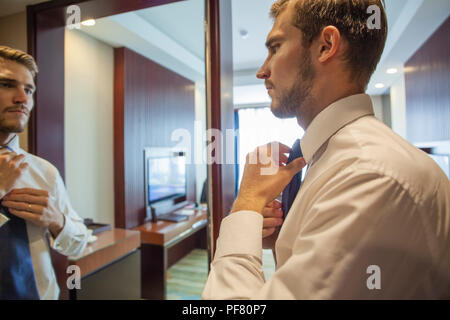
6	137
319	102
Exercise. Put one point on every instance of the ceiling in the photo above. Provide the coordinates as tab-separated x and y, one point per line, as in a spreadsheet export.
185	24
173	35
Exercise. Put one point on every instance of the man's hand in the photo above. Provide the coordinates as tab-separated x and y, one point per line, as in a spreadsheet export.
11	168
265	177
35	206
273	218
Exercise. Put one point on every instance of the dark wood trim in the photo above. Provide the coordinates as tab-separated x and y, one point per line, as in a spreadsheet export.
119	142
153	271
220	109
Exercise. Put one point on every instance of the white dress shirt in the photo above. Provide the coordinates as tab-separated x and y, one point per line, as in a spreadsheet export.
370	198
72	239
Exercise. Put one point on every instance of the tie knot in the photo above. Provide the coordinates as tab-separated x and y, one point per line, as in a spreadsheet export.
296	151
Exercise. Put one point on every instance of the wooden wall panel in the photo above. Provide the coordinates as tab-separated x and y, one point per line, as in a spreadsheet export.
151	102
46	133
427	83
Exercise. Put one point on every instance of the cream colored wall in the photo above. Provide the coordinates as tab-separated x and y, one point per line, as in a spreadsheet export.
13	33
377	107
89	81
398	107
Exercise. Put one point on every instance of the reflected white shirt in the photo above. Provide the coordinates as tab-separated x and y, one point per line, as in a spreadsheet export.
370	198
72	239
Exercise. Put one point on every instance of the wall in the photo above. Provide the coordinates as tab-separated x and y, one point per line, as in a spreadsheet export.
427	85
88	126
13	33
387	116
377	103
398	107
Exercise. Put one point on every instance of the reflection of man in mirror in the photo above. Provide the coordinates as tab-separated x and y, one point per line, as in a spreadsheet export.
371	218
34	202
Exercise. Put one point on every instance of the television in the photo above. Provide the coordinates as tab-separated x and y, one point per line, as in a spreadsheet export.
165	183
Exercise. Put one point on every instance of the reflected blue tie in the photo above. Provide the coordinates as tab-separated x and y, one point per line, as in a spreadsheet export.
16	268
291	190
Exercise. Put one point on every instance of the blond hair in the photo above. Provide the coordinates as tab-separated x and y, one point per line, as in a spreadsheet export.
21	57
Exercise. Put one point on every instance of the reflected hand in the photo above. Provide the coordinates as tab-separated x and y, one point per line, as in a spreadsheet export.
35	206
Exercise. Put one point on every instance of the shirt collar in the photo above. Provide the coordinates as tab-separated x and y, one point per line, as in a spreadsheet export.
331	119
14	144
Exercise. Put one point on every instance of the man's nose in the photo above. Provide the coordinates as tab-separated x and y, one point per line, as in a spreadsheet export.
20	96
263	72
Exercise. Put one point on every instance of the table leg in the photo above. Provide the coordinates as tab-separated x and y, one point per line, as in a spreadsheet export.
153	272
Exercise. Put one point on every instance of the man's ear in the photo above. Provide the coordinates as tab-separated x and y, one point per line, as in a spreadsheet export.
329	43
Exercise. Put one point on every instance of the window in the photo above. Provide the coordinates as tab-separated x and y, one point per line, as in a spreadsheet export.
258	126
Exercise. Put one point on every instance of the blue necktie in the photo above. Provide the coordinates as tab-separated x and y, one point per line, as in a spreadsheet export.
291	190
17	279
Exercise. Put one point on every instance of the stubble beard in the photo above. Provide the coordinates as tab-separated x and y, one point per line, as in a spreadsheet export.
294	100
11	128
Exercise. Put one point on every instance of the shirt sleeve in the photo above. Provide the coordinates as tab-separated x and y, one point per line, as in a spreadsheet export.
357	223
72	240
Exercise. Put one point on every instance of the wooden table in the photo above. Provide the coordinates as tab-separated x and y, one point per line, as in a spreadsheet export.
163	243
110	247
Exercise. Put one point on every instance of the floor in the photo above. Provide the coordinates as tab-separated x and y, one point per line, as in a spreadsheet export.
186	279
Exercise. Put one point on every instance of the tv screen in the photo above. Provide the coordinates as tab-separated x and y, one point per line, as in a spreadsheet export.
166	177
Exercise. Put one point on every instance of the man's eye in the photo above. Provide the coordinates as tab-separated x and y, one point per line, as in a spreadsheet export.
29	91
274	49
5	85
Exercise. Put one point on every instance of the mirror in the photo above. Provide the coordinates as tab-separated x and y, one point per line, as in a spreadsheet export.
135	81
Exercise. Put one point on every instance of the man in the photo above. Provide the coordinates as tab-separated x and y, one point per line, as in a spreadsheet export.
372	217
33	199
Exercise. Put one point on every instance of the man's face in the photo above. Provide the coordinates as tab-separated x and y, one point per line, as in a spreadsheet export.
16	96
287	71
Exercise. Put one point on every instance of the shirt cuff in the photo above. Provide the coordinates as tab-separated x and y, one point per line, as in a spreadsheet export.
64	241
240	233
